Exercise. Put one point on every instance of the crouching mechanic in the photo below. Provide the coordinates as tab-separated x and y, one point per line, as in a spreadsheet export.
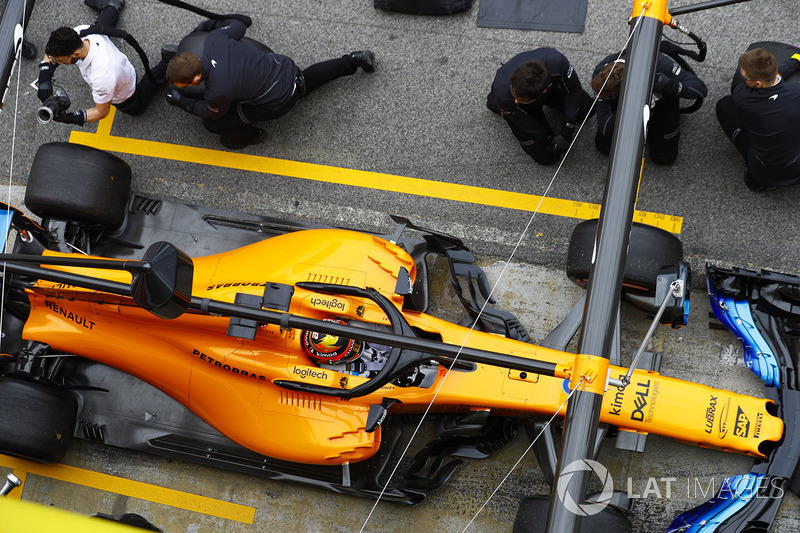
244	85
672	82
528	81
107	70
762	119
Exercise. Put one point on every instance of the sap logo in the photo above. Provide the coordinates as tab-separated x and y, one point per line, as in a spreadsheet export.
742	426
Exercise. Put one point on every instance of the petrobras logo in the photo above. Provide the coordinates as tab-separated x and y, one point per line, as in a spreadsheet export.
588	508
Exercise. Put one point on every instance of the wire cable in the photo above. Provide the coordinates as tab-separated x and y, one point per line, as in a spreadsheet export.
523	233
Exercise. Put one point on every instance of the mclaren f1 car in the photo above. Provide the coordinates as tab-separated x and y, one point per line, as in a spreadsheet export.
291	351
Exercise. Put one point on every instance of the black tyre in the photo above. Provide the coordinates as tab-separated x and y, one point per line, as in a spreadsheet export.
193	44
781	51
532	518
37	421
649	249
80	183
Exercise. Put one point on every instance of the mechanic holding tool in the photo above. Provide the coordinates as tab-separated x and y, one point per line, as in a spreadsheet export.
528	81
762	118
107	70
672	82
244	85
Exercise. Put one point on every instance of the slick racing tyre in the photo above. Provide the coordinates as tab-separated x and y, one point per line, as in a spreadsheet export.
782	53
37	421
79	183
649	249
193	44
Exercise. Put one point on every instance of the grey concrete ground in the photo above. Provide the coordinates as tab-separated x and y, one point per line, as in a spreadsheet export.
422	115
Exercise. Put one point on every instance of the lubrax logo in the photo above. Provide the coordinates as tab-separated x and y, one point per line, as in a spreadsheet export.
69	315
306	372
328	304
710	411
219	364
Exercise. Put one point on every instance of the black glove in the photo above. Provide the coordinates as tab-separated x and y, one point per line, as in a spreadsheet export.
667	86
559	145
46	70
568	131
174	97
73	117
244	19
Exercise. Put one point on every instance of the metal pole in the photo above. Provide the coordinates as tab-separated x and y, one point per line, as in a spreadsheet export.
605	281
15	14
703	5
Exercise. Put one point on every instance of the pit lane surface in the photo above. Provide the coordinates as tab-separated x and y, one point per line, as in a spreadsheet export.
422	116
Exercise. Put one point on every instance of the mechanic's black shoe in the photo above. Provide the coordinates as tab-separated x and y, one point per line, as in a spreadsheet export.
754	186
491	104
99	5
364	59
232	144
29	49
168	51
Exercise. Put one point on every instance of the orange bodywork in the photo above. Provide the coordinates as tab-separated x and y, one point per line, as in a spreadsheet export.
227	381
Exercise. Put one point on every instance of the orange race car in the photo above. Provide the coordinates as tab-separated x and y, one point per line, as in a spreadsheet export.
290	351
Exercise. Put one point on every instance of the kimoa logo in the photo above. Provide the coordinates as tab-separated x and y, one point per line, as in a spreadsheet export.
589	508
773	97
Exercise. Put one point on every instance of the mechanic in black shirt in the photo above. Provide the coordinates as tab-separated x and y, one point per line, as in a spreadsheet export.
762	118
528	81
672	82
244	85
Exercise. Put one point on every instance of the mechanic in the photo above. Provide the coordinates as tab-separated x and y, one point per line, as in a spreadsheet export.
672	82
526	83
762	118
244	85
107	70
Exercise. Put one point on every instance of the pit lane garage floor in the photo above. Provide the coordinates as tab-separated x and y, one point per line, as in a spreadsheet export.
358	173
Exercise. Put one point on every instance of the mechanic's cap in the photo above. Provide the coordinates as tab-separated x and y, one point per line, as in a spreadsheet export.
324	348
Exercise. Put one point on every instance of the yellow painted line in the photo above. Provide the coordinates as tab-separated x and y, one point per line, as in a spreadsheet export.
135	489
364	179
104	126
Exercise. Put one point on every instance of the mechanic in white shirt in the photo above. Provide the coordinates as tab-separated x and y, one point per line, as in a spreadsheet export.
108	71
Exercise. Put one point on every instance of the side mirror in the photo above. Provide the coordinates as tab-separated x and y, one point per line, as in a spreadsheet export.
164	286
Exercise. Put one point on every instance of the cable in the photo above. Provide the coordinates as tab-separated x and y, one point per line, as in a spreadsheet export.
494	287
521	457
